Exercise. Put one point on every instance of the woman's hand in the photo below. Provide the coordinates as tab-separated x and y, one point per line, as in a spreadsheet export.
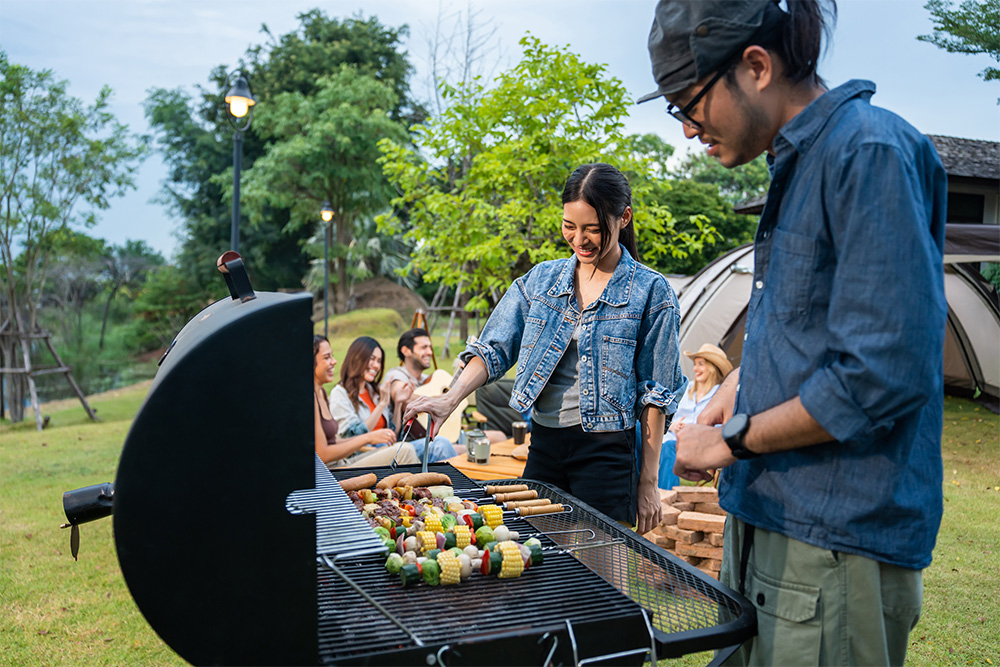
650	509
383	396
382	436
438	407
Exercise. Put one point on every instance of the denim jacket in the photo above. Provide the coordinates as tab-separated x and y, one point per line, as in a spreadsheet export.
627	343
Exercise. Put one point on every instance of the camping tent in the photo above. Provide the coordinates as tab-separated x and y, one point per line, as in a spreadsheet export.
714	305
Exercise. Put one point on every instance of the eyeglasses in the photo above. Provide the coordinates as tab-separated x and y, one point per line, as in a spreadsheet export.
682	114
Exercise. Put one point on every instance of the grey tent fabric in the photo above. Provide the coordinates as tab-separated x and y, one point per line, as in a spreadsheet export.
713	306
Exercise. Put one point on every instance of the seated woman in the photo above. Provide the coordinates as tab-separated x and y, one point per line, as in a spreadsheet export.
334	451
710	367
360	403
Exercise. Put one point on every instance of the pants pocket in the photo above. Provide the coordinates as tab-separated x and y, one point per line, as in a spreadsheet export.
789	623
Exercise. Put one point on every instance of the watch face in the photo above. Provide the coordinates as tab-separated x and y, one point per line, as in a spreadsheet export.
734	428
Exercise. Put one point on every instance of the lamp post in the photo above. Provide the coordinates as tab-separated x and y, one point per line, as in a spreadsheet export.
326	213
240	103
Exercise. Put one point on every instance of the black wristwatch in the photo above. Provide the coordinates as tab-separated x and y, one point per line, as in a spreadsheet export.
733	432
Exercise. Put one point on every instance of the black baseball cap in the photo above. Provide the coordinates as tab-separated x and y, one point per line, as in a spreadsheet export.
690	39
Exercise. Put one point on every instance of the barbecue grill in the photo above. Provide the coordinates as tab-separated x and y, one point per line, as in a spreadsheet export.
240	547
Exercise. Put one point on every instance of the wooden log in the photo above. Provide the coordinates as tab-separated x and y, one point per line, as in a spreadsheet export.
712	564
699	549
710	572
709	508
668	496
707	523
693	560
715	539
697	494
669	515
684	507
683	536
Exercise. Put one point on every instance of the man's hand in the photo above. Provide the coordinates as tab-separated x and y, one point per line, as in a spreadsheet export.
649	507
700	450
720	409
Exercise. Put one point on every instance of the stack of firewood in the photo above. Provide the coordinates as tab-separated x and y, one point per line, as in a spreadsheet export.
691	527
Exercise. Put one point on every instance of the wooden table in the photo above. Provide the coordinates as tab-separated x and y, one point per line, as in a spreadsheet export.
501	466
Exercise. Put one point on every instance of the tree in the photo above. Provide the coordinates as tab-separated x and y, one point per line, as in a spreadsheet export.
324	147
487	204
125	268
972	28
748	181
196	139
60	162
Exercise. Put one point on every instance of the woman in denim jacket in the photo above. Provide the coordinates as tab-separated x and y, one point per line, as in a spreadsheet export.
594	337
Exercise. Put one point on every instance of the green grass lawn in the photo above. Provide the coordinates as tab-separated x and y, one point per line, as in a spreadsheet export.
54	611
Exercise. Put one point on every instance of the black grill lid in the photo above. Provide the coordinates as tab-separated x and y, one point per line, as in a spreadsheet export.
206	544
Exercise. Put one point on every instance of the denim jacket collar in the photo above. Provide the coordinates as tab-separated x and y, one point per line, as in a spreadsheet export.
616	292
801	131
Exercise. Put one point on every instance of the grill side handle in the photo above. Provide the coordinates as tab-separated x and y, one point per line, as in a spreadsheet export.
84	505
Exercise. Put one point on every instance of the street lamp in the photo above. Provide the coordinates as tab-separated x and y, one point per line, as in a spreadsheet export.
240	103
326	213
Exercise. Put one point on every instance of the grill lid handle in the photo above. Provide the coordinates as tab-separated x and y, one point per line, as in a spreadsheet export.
230	264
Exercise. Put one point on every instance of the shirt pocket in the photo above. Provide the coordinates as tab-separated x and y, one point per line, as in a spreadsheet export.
533	328
791	272
618	372
789	625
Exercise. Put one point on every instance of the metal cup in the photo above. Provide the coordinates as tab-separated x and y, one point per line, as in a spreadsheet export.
519	429
481	451
470	442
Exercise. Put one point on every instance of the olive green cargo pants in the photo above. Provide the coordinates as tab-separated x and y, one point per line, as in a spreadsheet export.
820	607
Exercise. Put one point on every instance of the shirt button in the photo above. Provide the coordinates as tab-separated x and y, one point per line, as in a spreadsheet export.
760	284
586	392
590	424
764	235
737	386
583	358
760	599
745	336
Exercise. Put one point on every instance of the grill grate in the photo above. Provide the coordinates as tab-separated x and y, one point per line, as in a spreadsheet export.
687	611
684	604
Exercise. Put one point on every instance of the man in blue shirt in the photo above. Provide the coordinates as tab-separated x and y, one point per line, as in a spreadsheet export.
831	436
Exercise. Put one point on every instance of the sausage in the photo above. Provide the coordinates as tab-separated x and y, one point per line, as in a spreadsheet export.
508	488
541	509
517	495
526	503
359	482
389	481
425	479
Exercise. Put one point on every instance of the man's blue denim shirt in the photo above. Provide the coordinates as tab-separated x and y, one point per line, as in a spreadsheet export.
848	313
627	345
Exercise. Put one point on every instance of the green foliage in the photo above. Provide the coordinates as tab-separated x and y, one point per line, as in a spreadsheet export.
323	147
167	302
486	206
60	162
692	203
737	185
972	28
195	138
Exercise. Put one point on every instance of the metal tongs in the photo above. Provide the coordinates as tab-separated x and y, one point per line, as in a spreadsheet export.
427	449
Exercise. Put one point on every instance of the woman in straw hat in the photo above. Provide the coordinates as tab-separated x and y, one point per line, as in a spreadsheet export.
710	367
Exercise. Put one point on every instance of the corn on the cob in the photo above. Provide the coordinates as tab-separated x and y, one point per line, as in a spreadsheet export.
450	568
462	536
428	540
513	564
492	514
432	522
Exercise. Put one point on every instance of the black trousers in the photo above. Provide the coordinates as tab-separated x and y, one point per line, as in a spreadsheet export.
597	468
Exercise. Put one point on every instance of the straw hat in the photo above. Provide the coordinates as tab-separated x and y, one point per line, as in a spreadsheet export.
714	355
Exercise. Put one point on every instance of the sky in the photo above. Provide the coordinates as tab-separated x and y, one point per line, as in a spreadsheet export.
135	45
